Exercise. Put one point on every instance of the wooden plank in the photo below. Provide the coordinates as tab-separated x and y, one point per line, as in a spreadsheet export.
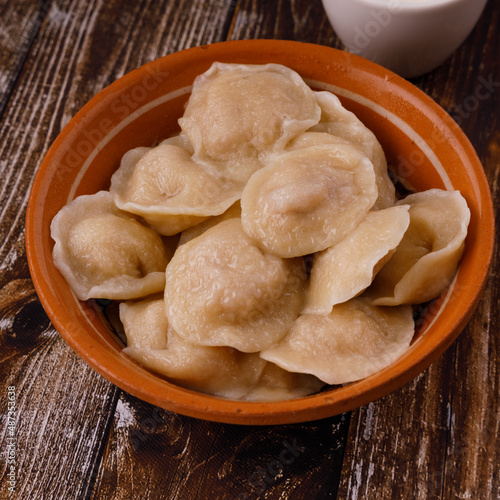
437	437
19	24
299	20
396	444
61	407
153	454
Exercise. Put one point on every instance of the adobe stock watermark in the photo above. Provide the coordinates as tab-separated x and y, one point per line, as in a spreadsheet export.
379	20
121	107
484	90
11	439
267	474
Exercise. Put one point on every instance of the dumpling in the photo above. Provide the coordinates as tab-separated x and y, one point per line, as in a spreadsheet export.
427	257
237	113
306	200
221	289
346	269
103	252
220	371
338	121
168	189
234	211
354	341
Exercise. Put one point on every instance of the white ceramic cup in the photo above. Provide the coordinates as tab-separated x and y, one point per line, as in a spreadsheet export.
409	37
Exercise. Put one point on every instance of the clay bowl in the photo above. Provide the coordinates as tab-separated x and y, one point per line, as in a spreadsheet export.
422	143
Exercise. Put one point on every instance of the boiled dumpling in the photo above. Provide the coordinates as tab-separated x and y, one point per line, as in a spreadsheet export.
346	269
426	260
221	289
308	199
338	121
168	189
237	113
104	252
220	371
354	341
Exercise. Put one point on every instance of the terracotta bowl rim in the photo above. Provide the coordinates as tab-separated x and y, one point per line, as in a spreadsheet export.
120	371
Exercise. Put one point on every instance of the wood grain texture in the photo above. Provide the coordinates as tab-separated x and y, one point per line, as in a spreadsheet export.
53	388
18	28
299	20
78	436
153	454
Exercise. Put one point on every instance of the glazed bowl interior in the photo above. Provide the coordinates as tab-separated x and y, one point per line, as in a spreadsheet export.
423	145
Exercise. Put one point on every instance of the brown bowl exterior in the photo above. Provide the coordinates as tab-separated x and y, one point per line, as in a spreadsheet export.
422	143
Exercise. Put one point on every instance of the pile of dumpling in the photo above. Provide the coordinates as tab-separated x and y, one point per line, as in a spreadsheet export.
261	253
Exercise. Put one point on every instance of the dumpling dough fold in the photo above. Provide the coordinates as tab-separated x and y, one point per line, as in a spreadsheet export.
234	211
346	269
223	371
426	260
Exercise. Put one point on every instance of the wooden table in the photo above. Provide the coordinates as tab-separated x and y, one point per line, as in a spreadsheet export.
75	435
